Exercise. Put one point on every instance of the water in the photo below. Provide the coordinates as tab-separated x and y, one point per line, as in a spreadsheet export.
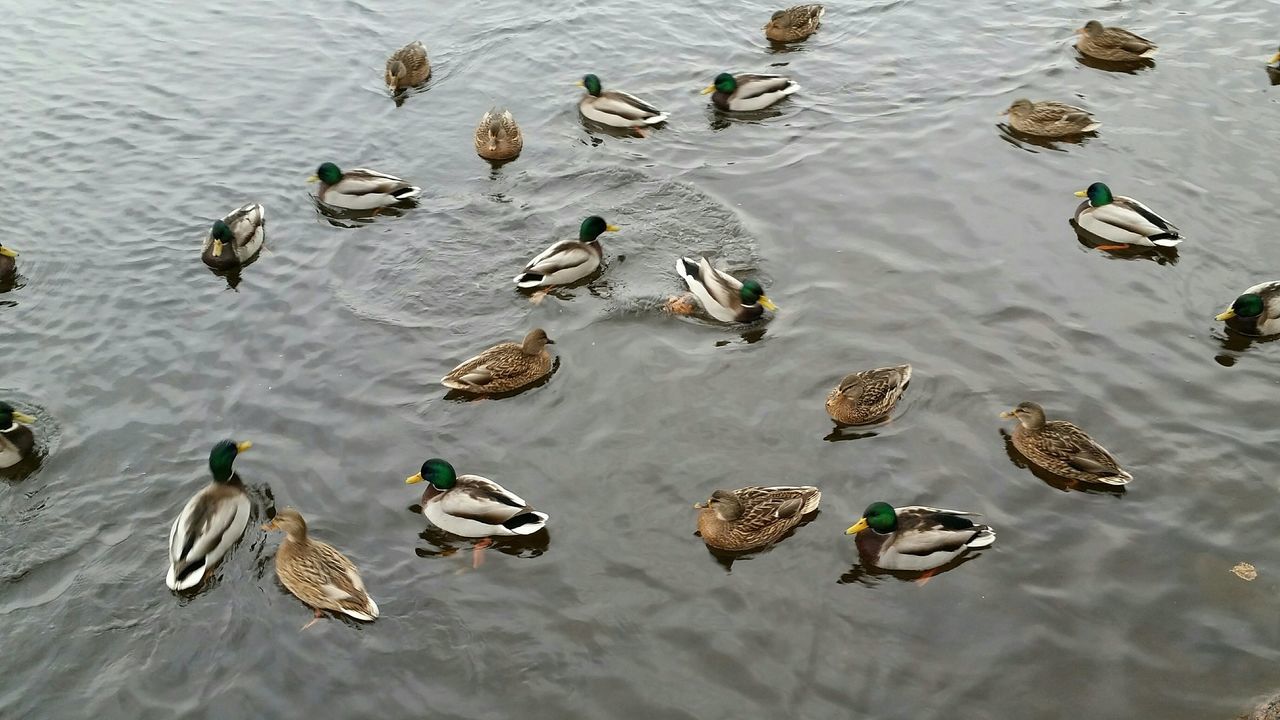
887	215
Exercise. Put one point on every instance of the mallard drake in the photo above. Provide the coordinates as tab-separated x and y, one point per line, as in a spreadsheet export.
867	396
1049	119
316	573
361	188
916	538
16	439
498	136
749	91
568	261
473	506
1112	43
723	296
1255	312
504	367
8	268
1122	220
235	239
211	521
1063	449
794	24
408	67
1274	62
752	517
614	108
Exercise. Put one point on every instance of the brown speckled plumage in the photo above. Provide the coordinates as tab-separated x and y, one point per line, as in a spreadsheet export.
1048	118
504	367
867	396
1113	44
1063	449
407	67
753	517
317	573
794	24
498	136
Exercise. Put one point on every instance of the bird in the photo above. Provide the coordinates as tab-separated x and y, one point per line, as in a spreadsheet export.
472	506
567	261
361	188
1122	221
1113	43
721	295
794	24
235	239
8	268
211	522
1255	312
753	517
1048	118
407	67
1061	448
867	396
16	439
316	573
749	91
1274	61
498	136
615	108
504	367
916	538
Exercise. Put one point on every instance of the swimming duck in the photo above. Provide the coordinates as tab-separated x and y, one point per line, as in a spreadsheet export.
794	24
723	296
1122	220
316	573
867	396
16	439
614	108
211	521
407	67
568	261
361	188
473	506
8	268
498	136
1256	312
916	538
749	91
1113	43
752	517
1049	119
1063	449
1274	62
504	367
235	239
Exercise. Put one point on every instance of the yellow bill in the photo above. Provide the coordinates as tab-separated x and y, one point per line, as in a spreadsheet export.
857	527
579	83
767	303
217	247
313	178
1224	315
8	253
416	478
1275	58
1006	414
241	447
708	89
611	228
23	418
1082	193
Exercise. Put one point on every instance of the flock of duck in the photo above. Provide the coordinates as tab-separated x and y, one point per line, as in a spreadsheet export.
908	538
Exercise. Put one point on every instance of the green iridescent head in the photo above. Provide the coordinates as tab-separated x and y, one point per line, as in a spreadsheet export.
437	472
592	84
222	458
878	516
1098	193
725	83
222	232
592	227
329	174
1248	305
752	292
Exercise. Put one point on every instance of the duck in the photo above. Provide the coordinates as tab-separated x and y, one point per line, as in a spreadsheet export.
794	24
753	517
1274	62
498	136
361	188
1113	44
211	522
916	538
1256	312
1122	221
317	573
1048	118
407	67
1061	448
747	91
17	442
868	396
568	261
721	295
235	239
473	506
505	367
8	268
615	108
